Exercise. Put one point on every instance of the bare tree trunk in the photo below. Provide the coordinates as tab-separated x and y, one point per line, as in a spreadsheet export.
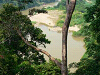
70	9
63	65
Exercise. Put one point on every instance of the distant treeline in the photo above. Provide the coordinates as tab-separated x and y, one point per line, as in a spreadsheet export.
26	3
9	1
47	1
80	5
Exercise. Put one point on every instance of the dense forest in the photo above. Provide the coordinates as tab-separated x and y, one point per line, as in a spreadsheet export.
19	58
86	16
15	56
77	18
26	3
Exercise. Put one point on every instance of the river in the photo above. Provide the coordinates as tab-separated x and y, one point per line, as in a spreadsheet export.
75	44
25	12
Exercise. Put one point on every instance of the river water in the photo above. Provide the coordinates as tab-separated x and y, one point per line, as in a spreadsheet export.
25	12
75	45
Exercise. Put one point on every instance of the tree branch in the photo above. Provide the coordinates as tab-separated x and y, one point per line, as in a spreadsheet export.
4	41
40	50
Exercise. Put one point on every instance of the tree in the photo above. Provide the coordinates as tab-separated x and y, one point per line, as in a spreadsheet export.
70	9
12	48
90	65
48	68
63	65
16	25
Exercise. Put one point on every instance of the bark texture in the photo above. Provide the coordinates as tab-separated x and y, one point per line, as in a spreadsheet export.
70	9
63	66
40	50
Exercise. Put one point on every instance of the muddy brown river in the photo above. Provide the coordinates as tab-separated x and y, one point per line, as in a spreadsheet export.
75	45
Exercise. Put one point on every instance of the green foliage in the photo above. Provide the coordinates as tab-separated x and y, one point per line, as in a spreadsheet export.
33	22
25	69
77	19
80	5
78	33
85	55
62	16
64	12
50	8
9	61
60	23
25	4
13	50
90	65
47	1
82	32
62	5
48	69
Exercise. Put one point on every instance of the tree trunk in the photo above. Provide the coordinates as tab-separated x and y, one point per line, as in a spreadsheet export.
70	9
63	65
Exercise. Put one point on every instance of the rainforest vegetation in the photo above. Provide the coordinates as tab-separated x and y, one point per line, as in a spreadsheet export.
17	56
26	3
78	15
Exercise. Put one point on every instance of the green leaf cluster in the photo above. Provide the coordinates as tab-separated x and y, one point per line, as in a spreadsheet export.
90	65
48	68
15	56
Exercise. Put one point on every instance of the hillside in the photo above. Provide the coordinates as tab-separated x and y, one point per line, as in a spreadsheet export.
27	4
78	15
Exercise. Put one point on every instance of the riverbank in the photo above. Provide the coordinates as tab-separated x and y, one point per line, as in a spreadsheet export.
25	12
75	46
50	20
55	48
